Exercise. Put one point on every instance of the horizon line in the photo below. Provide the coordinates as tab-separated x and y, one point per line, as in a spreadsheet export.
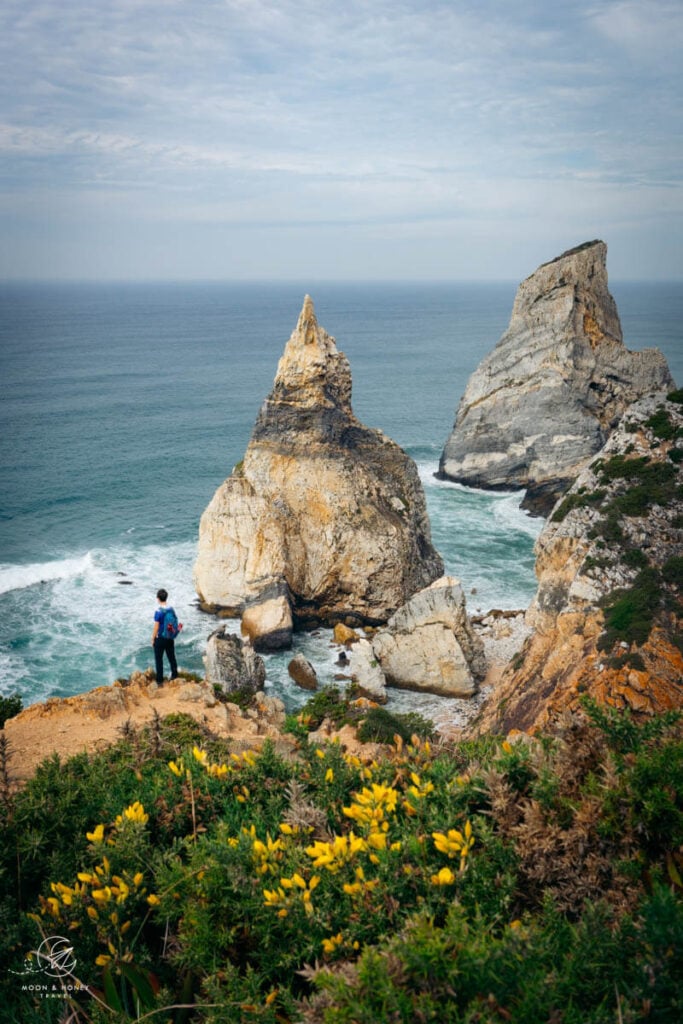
300	281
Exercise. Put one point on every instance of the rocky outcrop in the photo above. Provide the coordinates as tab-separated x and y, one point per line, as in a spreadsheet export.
323	511
548	396
232	664
93	721
429	645
607	615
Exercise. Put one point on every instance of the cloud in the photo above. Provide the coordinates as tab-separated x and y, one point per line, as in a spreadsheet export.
316	112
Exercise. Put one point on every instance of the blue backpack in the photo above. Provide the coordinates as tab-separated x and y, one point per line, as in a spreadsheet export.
169	626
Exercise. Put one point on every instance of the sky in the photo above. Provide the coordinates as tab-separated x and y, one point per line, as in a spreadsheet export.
338	139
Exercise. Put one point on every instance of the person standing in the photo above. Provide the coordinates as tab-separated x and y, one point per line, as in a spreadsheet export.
166	628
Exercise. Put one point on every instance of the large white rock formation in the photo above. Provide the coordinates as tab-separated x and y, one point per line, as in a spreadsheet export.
429	643
548	396
325	518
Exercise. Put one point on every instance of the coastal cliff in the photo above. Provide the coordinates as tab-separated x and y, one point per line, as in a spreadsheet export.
606	618
548	396
325	519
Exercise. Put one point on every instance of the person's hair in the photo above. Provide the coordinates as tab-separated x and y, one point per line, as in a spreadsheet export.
162	594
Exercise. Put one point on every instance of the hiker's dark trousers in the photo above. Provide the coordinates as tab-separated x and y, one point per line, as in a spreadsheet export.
163	646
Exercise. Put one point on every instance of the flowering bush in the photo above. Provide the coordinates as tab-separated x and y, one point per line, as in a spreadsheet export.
476	882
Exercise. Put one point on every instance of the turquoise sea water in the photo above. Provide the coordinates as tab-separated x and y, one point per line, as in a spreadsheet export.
124	406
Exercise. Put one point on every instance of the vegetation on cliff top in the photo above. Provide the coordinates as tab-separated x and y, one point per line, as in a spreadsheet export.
487	881
629	487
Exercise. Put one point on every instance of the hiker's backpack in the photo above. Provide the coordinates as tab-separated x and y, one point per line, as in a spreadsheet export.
171	626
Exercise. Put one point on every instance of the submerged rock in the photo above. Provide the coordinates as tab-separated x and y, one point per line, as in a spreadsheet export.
606	615
325	511
548	396
429	645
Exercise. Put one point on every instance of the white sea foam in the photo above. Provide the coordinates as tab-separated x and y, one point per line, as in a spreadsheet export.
93	624
427	473
12	673
510	516
19	577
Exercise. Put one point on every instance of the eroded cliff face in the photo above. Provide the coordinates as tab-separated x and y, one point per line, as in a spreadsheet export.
324	516
547	397
607	615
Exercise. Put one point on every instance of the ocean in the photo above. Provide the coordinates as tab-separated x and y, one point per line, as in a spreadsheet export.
124	406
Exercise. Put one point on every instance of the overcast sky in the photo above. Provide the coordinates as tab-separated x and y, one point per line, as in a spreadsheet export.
385	139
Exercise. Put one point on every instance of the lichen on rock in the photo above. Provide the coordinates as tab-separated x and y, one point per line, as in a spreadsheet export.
324	510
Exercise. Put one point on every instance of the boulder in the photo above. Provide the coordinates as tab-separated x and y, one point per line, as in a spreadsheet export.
366	672
545	400
232	663
267	623
344	634
429	645
303	673
323	510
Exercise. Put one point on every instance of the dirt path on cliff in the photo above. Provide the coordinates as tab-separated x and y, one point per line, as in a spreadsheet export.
93	721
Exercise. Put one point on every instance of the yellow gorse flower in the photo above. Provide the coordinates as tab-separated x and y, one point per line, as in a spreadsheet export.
97	835
372	805
329	945
136	813
419	790
289	891
361	884
455	843
267	854
444	877
337	853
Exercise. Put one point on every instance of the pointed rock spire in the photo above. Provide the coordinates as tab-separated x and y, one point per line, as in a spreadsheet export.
325	517
312	372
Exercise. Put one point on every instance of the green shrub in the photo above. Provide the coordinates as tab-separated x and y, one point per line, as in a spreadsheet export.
629	614
482	881
661	424
9	707
329	702
635	558
380	726
676	396
580	499
672	571
608	529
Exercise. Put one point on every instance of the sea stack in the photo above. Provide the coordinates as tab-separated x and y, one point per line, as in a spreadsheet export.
551	392
325	519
